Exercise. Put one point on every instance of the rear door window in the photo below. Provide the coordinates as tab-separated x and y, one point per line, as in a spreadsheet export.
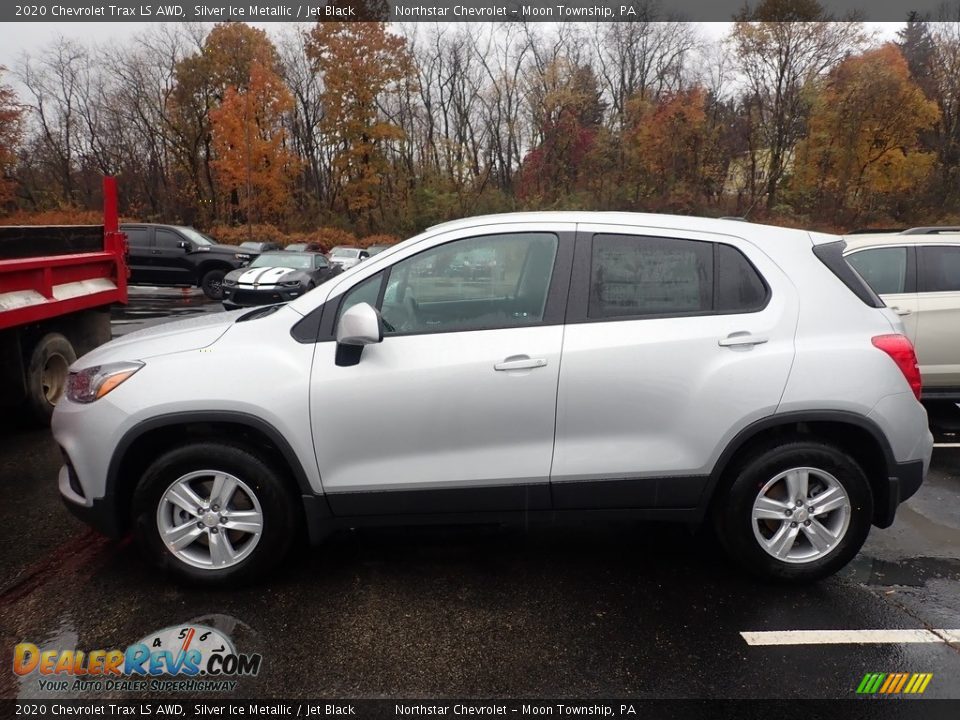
137	238
637	276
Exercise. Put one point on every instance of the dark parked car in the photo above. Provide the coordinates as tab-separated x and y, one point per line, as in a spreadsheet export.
276	277
304	247
180	256
259	247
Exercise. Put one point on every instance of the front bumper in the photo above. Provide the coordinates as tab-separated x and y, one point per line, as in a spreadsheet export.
244	296
98	513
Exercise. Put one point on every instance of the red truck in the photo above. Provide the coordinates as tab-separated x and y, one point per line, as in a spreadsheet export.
57	283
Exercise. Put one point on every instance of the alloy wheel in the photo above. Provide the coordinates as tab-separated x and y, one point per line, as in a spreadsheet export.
801	515
210	519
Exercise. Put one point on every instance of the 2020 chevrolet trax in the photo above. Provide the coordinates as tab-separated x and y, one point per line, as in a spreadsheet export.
515	367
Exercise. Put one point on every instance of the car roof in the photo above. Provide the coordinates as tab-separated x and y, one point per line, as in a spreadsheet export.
733	226
858	241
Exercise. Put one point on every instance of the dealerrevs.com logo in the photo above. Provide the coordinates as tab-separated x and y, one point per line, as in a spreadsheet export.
187	658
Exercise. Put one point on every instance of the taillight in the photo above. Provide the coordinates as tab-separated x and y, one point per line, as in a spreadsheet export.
901	350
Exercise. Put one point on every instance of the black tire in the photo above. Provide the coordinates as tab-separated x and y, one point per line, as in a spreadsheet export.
732	511
280	518
47	375
212	284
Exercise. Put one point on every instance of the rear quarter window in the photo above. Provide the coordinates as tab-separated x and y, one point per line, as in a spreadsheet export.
940	268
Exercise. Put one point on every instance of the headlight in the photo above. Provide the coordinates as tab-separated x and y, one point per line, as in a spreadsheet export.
228	282
242	257
291	283
92	383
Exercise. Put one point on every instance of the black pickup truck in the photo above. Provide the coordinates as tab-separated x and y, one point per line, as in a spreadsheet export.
180	256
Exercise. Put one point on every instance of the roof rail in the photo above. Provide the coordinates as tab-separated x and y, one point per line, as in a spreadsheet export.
875	231
932	230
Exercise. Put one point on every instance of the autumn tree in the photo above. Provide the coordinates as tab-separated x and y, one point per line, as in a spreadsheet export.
567	112
780	46
669	148
252	159
362	64
863	138
11	135
223	61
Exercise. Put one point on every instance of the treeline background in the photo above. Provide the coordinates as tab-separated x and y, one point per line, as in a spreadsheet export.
377	131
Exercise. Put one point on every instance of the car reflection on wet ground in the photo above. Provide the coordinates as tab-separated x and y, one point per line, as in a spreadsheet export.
638	611
152	305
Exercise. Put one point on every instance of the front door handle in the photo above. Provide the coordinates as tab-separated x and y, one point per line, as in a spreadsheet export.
901	311
520	362
741	339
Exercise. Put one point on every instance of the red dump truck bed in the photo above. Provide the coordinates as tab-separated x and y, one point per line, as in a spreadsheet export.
49	271
57	284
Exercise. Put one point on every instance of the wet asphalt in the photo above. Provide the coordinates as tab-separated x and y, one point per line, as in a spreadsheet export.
641	611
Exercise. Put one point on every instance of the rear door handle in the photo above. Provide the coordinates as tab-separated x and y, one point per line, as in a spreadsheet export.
741	339
520	362
901	311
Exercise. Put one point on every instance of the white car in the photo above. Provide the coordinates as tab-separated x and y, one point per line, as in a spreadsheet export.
347	257
917	273
613	364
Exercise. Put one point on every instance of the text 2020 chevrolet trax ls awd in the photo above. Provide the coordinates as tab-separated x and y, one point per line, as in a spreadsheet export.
515	367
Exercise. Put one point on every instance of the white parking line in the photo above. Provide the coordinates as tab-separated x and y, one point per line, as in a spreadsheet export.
953	445
849	637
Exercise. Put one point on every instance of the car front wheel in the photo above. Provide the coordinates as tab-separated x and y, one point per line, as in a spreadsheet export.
796	512
214	513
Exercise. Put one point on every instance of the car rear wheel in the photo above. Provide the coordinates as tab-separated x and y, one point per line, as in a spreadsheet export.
796	512
214	513
212	284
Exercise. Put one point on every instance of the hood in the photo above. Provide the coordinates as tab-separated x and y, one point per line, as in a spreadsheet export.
191	334
263	275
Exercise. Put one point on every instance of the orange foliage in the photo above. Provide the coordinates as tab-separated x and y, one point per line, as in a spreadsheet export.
11	133
668	141
253	163
59	216
863	136
360	62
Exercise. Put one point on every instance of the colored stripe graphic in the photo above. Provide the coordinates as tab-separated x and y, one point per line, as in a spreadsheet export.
894	683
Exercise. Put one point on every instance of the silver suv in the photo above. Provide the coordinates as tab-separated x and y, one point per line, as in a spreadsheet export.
917	273
618	365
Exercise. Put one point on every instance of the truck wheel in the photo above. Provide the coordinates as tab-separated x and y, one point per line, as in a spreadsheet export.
212	284
214	513
47	375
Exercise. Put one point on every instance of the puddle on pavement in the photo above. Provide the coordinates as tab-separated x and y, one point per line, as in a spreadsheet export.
914	572
63	638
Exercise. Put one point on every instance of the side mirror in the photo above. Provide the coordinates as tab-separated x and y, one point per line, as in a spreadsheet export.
184	245
360	325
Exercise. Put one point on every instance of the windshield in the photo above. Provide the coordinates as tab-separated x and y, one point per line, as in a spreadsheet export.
198	237
296	247
344	252
283	259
